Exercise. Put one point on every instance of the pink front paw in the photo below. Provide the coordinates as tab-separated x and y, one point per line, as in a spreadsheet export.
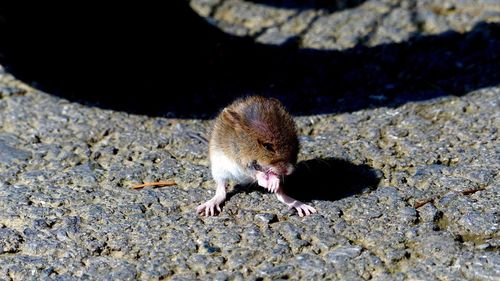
262	179
269	181
208	208
304	209
274	183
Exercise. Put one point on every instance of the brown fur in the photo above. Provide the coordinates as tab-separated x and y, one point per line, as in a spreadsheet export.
244	129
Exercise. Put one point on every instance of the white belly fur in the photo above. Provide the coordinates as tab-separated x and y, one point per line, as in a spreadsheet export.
223	168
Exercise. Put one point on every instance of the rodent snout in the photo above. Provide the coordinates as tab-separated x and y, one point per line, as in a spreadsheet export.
281	169
284	170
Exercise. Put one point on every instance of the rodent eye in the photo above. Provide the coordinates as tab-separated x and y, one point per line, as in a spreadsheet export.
268	146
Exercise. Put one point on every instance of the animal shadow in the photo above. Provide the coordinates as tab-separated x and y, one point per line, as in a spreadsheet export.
329	179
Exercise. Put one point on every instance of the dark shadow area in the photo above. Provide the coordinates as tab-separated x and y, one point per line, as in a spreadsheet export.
327	179
330	179
168	61
328	5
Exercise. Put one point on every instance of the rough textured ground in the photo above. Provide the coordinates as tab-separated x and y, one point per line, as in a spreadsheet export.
341	24
404	193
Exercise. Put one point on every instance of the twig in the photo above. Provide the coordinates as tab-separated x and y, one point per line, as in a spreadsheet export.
471	191
421	203
157	183
465	192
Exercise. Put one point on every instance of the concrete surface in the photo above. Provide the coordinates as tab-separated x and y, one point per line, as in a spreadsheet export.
407	192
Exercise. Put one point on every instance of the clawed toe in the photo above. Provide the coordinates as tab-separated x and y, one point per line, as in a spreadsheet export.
305	210
274	185
208	209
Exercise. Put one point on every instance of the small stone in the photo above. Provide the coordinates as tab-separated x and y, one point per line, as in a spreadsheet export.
428	212
10	155
210	249
267	218
10	241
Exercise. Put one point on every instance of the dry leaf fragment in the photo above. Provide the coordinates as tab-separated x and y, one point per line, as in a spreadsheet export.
156	183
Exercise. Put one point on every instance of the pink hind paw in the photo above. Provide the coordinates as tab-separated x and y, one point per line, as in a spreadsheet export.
208	208
304	209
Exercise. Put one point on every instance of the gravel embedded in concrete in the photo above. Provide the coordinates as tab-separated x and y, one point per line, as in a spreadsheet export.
68	210
340	25
405	192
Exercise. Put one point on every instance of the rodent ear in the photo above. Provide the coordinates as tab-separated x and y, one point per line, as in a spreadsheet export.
274	100
232	118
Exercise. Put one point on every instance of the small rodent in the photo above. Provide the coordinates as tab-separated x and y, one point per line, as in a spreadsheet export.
254	139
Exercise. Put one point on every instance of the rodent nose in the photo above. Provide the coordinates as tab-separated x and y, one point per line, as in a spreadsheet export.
284	170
